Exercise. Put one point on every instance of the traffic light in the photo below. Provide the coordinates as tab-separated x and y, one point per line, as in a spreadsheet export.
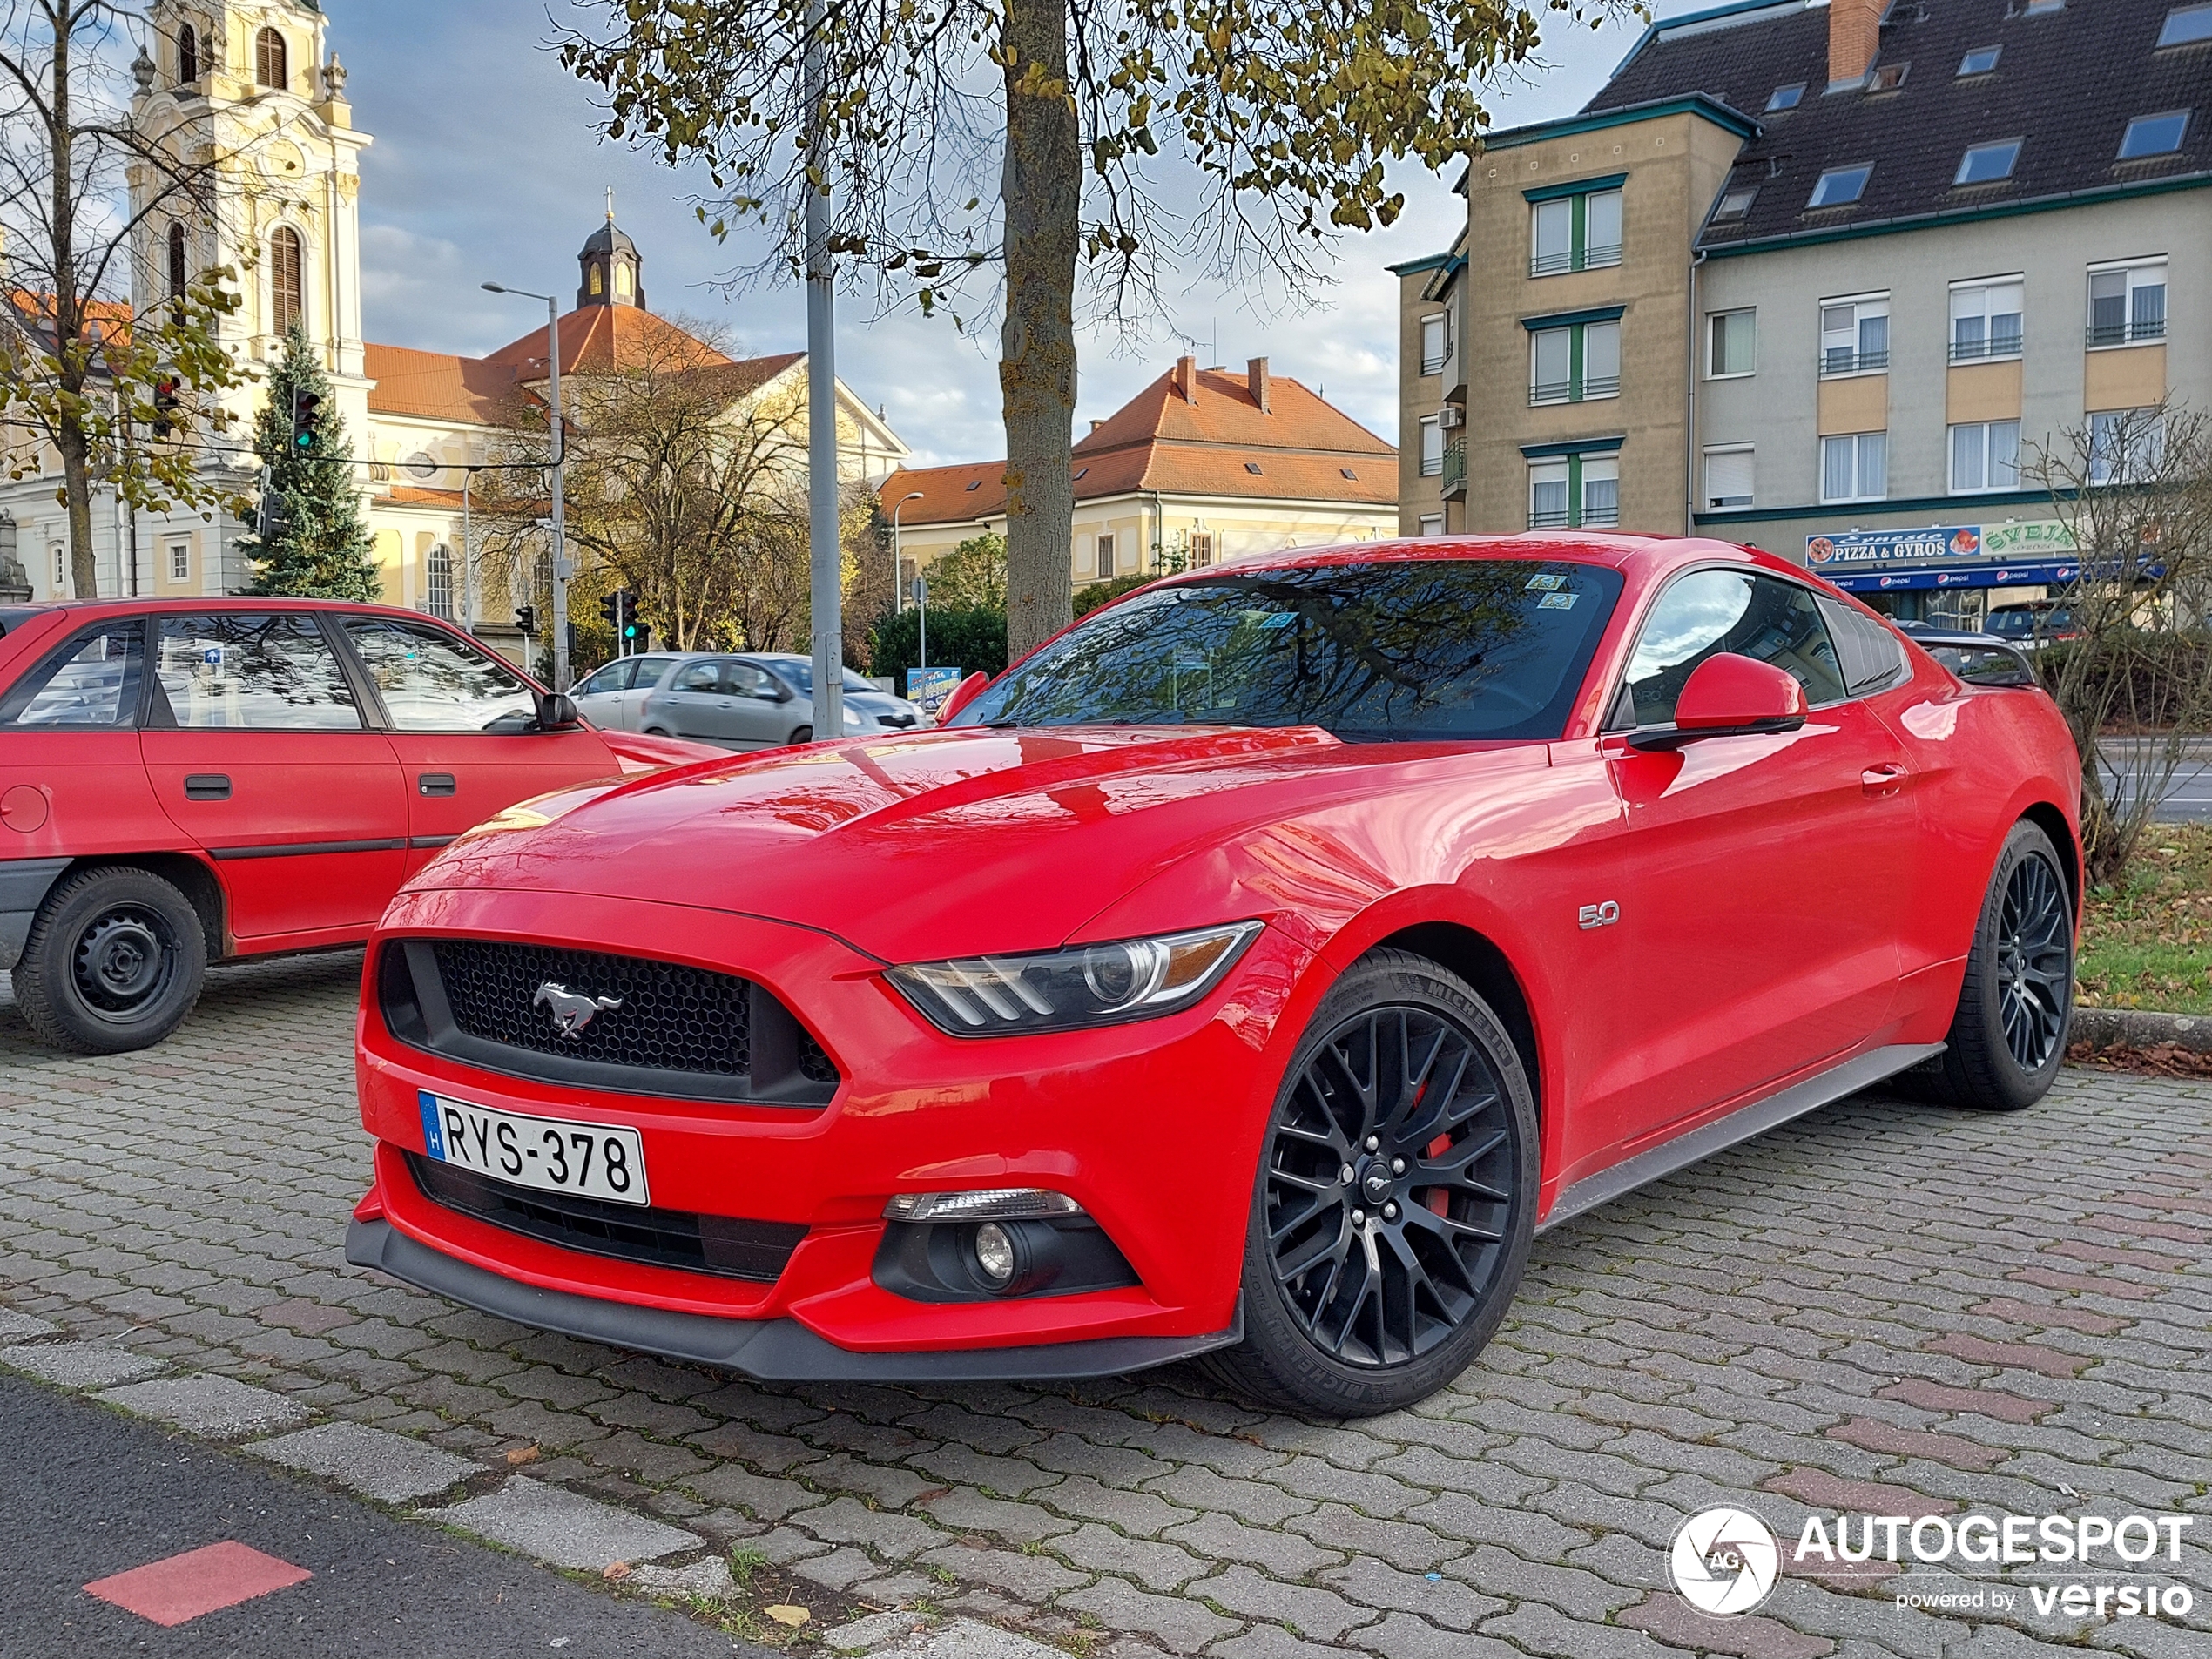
526	619
619	609
164	405
307	423
611	609
269	522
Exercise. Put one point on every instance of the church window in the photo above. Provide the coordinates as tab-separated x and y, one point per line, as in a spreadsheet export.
438	581
284	279
187	54
270	65
178	275
598	282
622	281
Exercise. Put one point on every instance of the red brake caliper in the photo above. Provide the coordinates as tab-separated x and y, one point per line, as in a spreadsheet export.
1437	1200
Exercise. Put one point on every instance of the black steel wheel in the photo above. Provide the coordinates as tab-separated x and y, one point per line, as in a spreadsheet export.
114	961
801	734
2007	1038
1394	1199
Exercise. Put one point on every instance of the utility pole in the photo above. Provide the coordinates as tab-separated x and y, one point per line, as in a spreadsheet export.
899	564
561	571
823	555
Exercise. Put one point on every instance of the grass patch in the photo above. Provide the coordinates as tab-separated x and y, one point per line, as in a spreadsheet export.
2147	939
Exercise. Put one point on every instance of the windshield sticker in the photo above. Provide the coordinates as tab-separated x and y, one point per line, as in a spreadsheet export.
1547	581
1558	601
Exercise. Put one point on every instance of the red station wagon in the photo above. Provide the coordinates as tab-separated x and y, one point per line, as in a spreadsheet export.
283	767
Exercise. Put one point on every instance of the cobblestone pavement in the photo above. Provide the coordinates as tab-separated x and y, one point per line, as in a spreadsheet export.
1882	1307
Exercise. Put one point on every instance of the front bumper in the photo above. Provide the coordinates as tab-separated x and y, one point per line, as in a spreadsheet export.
772	1350
1153	1128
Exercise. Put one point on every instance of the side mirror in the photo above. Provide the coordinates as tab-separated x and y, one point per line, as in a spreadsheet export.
962	694
777	691
557	712
1730	696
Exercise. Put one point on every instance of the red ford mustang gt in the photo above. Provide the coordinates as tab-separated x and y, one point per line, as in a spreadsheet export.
1248	972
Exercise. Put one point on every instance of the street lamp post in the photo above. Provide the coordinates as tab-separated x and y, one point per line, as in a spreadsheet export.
898	565
824	553
560	463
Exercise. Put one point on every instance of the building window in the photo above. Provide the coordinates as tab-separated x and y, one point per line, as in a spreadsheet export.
1436	342
1432	446
1987	164
2125	446
1574	491
1105	558
2127	304
61	571
1889	77
271	63
1986	455
1786	97
179	561
187	54
1571	364
1201	548
1855	335
1732	344
1855	468
1840	186
2185	25
2153	135
284	279
437	573
1576	232
178	277
1979	61
1736	204
1985	320
1728	477
1432	523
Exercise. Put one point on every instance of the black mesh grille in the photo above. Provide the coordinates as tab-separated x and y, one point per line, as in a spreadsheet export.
813	1065
669	1017
723	1245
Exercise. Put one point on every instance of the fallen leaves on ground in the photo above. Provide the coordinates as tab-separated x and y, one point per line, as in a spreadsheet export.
2147	939
616	1571
2160	1060
519	1454
788	1614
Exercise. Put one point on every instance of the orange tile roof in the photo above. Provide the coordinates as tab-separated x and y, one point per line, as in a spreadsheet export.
1207	444
435	386
607	337
416	495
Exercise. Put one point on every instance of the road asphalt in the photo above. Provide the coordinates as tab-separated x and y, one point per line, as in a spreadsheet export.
87	1492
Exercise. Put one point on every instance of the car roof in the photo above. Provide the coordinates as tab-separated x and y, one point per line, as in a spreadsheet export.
225	601
1635	554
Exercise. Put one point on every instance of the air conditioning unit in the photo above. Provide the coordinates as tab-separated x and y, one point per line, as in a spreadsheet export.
1451	417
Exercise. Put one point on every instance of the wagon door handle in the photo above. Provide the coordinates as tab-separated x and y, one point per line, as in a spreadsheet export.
435	783
207	786
1885	779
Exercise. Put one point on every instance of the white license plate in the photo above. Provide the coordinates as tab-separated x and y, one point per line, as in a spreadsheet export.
588	1160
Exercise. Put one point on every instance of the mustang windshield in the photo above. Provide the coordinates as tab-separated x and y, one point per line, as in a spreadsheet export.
1402	651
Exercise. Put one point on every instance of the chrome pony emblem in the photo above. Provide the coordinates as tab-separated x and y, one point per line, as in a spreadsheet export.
571	1013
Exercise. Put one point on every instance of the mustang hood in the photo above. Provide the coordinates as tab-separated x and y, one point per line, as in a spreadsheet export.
944	843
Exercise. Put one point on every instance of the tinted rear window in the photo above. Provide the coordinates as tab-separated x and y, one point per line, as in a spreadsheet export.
1402	651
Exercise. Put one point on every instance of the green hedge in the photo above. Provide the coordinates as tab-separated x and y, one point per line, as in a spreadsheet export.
969	639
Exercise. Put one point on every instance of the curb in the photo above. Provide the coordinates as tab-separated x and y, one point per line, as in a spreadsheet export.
2140	1028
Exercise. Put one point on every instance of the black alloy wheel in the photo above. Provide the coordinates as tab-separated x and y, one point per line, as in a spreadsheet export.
801	734
1395	1197
2007	1037
114	961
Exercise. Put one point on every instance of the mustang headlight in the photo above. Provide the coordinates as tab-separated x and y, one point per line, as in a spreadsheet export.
1084	985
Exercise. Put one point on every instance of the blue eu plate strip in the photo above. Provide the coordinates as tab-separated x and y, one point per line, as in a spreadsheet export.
434	1140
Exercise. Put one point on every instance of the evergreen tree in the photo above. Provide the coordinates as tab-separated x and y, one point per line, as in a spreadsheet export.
318	548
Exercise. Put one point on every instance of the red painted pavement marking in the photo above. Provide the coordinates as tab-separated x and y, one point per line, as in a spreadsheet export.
199	1581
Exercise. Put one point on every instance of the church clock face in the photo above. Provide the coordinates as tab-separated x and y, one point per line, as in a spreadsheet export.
282	159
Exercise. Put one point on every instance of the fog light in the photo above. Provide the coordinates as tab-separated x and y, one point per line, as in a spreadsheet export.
994	1256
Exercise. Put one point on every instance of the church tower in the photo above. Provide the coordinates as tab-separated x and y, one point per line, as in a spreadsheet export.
614	272
252	85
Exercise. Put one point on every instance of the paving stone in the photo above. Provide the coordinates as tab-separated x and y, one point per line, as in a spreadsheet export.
876	1631
1270	1642
1183	1624
1310	1611
79	1365
1671	1619
1404	1636
706	1580
965	1639
1032	1578
218	1407
1153	1564
19	1326
390	1467
562	1527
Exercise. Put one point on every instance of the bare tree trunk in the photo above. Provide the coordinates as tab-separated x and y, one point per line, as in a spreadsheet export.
1042	195
71	340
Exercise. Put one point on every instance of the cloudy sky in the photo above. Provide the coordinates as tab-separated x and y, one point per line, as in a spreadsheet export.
486	166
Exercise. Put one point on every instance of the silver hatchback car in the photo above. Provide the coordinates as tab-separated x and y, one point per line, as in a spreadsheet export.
751	701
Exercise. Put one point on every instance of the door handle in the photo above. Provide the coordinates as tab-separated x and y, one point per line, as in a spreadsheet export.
207	786
435	783
1885	779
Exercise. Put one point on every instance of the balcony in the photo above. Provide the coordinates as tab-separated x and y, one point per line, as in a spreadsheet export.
1547	519
1566	260
1842	359
1589	388
1979	350
1455	469
2141	332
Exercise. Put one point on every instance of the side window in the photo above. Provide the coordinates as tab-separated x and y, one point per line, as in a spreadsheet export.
649	669
241	670
431	682
698	677
90	684
615	676
1869	655
743	679
1709	611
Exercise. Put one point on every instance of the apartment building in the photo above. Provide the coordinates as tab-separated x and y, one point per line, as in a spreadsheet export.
1824	279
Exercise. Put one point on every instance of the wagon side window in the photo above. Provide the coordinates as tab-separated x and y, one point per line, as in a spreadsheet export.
1707	612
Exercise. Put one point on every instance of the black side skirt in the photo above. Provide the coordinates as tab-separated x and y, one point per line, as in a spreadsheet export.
772	1350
